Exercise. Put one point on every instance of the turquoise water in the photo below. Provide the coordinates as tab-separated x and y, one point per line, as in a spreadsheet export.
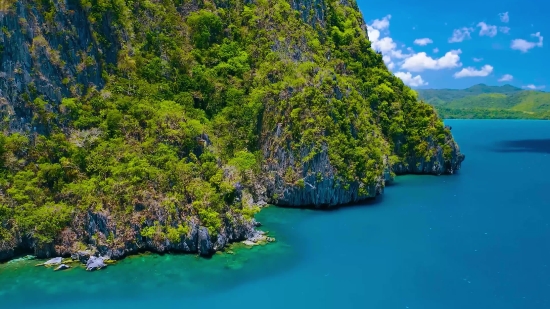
480	239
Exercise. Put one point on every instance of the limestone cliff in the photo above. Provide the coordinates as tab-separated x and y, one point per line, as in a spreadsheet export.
51	54
159	125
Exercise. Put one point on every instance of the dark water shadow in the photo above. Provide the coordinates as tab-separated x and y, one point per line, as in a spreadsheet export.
523	145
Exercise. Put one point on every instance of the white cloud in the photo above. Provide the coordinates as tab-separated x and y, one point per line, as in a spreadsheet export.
533	87
388	62
400	56
506	78
381	24
420	62
524	46
504	29
473	72
436	50
478	59
384	45
423	41
487	30
408	79
504	17
460	35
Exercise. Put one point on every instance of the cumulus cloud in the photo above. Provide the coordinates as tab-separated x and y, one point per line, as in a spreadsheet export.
504	29
384	45
436	50
421	61
473	72
478	59
487	30
378	32
405	58
423	41
381	24
506	78
524	46
409	79
533	87
504	17
460	35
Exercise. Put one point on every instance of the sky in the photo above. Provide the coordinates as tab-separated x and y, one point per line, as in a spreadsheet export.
457	44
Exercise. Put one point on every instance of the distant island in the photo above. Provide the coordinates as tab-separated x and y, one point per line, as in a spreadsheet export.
488	102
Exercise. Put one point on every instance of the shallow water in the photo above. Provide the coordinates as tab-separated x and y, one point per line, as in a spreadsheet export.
479	239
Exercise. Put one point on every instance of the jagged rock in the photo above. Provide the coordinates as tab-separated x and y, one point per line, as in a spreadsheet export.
62	267
82	256
205	245
249	243
96	263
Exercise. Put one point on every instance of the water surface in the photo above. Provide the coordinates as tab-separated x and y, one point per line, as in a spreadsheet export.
479	239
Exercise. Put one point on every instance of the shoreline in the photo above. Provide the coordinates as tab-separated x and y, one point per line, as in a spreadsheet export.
261	238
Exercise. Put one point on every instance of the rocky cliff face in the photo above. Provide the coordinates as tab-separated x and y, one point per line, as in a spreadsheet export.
434	165
103	233
317	185
46	52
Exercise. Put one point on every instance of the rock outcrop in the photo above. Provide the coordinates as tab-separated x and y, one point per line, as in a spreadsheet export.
96	263
435	165
49	55
318	185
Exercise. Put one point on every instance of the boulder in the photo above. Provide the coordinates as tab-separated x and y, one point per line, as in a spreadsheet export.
62	267
82	256
54	261
96	263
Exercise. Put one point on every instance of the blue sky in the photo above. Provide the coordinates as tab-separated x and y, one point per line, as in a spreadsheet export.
462	43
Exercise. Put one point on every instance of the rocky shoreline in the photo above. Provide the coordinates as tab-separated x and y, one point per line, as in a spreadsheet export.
93	260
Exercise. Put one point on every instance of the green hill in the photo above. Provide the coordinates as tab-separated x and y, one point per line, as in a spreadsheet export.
482	101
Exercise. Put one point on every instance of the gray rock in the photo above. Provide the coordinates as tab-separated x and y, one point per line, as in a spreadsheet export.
96	263
54	261
82	256
62	267
204	242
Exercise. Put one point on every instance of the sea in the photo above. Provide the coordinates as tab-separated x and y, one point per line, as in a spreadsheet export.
479	239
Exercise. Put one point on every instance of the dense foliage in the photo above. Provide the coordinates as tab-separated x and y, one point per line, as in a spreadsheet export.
489	102
195	92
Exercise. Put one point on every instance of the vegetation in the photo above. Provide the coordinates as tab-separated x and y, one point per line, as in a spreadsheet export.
489	102
194	94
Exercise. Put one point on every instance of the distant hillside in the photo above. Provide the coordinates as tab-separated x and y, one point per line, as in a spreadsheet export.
482	101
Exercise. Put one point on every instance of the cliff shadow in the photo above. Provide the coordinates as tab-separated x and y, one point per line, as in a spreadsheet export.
522	145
